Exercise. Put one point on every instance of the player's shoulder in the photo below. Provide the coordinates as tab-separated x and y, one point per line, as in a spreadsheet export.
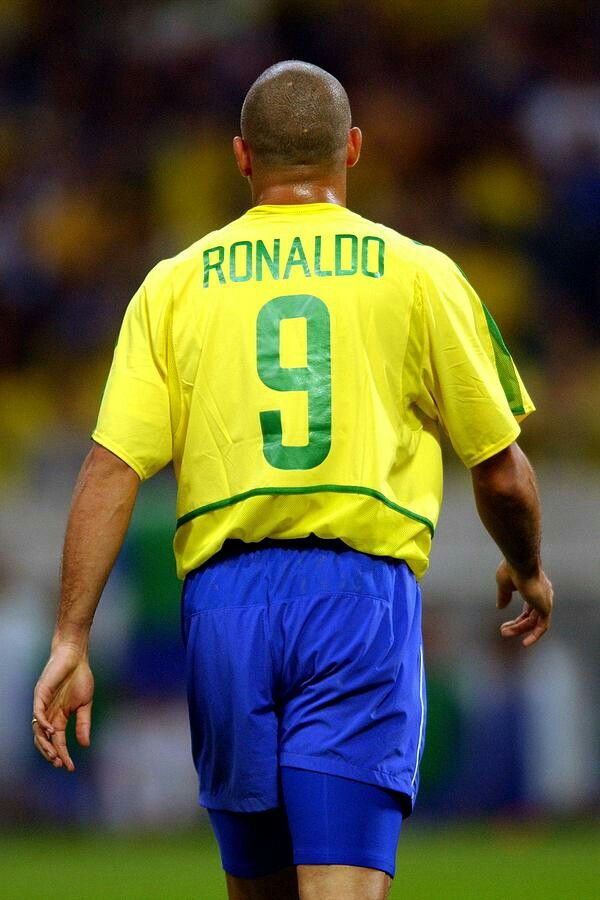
165	276
188	258
397	242
421	256
437	264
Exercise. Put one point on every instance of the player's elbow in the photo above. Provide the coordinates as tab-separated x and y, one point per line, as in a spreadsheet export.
506	476
101	464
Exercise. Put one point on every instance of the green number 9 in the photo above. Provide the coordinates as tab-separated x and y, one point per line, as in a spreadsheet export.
314	378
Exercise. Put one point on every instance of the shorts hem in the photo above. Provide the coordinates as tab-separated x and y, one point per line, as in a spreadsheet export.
256	872
354	773
342	858
250	805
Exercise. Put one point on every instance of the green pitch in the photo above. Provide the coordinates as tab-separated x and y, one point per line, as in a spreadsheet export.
484	862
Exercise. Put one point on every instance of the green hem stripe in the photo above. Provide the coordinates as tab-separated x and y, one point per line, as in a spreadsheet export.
313	489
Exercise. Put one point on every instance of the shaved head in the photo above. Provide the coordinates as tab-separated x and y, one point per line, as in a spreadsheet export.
296	114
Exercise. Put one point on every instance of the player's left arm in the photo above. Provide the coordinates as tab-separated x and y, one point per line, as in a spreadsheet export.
509	506
477	394
102	504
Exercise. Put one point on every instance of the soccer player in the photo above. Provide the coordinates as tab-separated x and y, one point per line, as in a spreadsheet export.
296	366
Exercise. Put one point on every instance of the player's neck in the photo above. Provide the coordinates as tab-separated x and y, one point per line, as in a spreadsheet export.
299	190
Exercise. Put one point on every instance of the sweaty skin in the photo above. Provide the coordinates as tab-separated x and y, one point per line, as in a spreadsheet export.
103	501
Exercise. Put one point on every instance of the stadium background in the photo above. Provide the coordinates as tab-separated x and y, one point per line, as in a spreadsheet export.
482	137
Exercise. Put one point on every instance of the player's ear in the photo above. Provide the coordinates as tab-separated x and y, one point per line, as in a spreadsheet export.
354	145
242	156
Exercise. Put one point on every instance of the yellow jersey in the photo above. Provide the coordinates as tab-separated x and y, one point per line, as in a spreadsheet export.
296	367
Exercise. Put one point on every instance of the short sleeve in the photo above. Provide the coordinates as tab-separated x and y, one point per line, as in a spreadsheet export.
134	421
468	373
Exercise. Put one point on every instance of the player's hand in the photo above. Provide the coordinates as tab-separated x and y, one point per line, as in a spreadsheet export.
65	686
536	591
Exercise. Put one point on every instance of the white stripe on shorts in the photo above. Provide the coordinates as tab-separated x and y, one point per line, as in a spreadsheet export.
418	759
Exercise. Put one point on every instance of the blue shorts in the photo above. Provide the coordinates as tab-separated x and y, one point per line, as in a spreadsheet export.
305	654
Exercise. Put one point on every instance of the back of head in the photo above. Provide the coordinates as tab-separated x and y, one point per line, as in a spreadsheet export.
296	114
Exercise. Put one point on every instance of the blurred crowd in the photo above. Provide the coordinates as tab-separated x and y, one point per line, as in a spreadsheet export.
481	124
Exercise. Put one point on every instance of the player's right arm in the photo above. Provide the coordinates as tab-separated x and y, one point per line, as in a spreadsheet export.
508	505
100	512
133	441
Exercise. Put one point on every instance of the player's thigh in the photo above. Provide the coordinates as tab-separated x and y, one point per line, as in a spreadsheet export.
330	882
344	834
253	845
353	678
323	882
233	720
230	682
281	885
